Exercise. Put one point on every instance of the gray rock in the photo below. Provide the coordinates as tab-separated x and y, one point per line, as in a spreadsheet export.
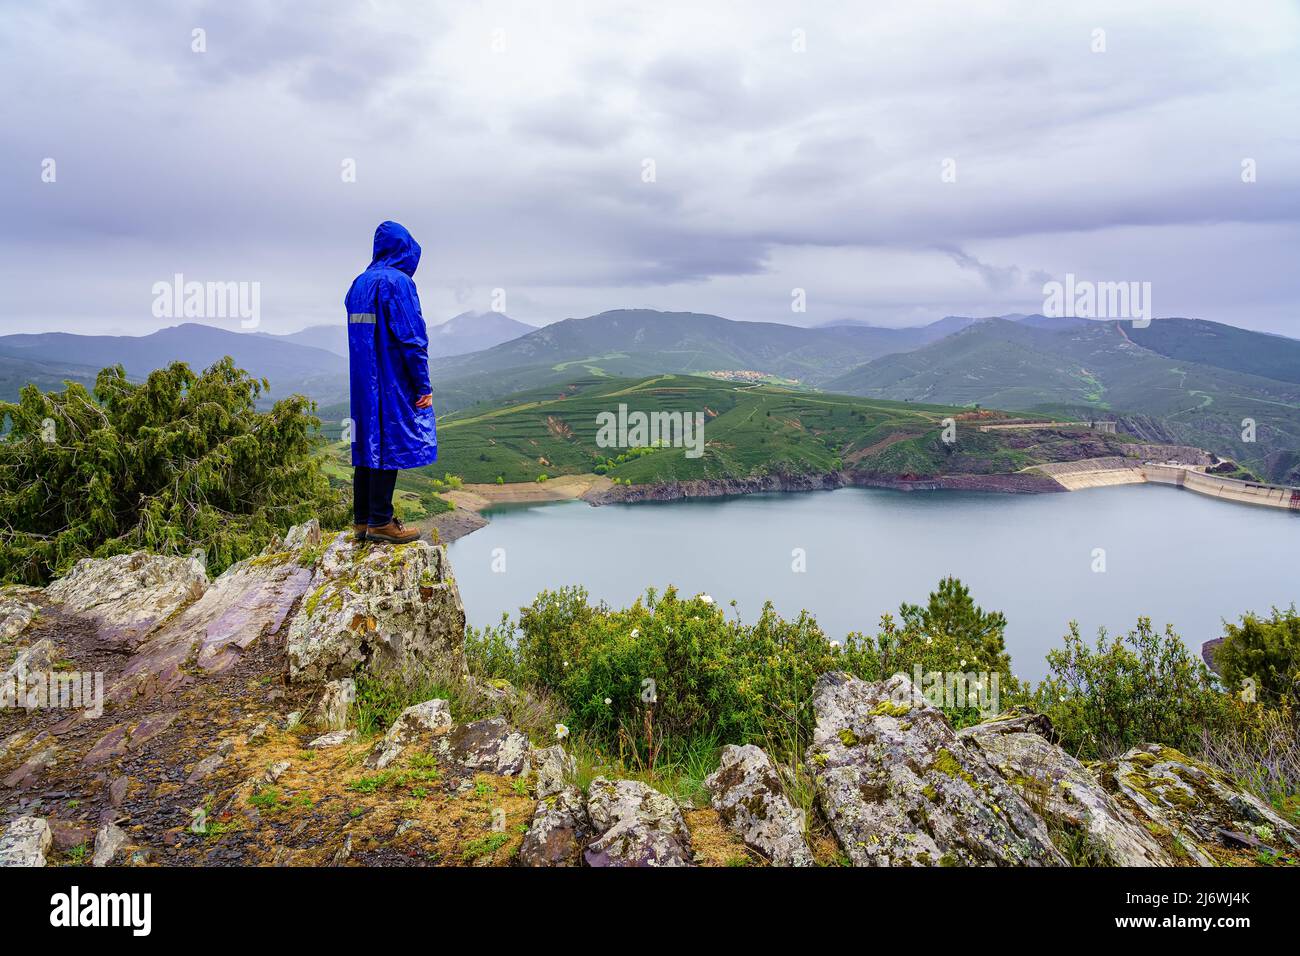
1063	791
490	745
335	738
1189	802
427	719
747	793
109	842
336	703
899	789
394	612
306	535
15	614
292	721
558	830
638	826
25	842
250	601
129	595
555	769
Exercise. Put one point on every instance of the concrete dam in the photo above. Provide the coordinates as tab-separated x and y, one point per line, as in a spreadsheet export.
1098	472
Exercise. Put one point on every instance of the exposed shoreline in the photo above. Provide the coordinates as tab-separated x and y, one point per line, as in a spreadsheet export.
471	500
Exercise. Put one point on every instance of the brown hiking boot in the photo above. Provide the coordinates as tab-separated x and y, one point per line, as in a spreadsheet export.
393	533
359	533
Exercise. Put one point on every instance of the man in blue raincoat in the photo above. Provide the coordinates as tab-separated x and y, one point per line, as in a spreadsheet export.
392	400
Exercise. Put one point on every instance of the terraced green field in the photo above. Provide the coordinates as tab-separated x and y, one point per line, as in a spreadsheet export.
749	430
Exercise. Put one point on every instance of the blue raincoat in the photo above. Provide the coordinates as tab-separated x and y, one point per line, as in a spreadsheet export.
388	352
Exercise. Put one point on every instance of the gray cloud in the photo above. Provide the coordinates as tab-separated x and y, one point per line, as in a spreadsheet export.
518	163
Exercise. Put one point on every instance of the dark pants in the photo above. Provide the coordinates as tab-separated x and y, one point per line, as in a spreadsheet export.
372	495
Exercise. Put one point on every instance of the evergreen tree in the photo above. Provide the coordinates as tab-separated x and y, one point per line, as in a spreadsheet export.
179	463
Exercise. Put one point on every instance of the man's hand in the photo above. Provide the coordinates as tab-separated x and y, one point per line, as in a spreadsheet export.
424	401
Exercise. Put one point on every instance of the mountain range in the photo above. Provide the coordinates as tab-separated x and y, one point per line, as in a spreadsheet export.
1200	382
1178	379
289	366
459	335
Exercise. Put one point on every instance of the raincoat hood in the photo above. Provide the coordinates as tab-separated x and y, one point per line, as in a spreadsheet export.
395	248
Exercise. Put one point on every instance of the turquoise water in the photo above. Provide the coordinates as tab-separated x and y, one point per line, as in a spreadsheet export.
1175	556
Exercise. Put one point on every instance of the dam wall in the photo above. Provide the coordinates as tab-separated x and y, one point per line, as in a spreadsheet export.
1229	489
1101	472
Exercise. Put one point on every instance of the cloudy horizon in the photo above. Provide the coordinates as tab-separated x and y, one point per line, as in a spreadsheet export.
897	163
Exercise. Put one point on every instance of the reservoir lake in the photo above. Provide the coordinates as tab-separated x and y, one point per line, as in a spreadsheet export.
1177	557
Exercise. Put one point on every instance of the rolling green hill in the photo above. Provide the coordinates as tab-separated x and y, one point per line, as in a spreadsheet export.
1101	367
47	375
629	342
1222	346
749	431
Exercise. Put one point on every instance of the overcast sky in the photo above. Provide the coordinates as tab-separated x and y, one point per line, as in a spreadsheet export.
511	138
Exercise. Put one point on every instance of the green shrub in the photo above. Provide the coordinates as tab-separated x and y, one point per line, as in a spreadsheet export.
1137	688
179	463
435	504
1259	747
380	701
1265	650
490	651
655	678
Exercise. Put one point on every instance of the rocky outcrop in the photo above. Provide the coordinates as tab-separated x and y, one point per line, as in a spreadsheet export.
637	826
16	612
747	793
26	841
898	787
1064	792
558	830
553	770
129	595
489	745
394	612
251	600
1193	806
420	722
204	724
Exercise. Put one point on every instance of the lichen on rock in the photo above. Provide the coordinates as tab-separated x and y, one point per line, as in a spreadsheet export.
1063	791
907	791
1190	803
638	826
747	793
393	612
